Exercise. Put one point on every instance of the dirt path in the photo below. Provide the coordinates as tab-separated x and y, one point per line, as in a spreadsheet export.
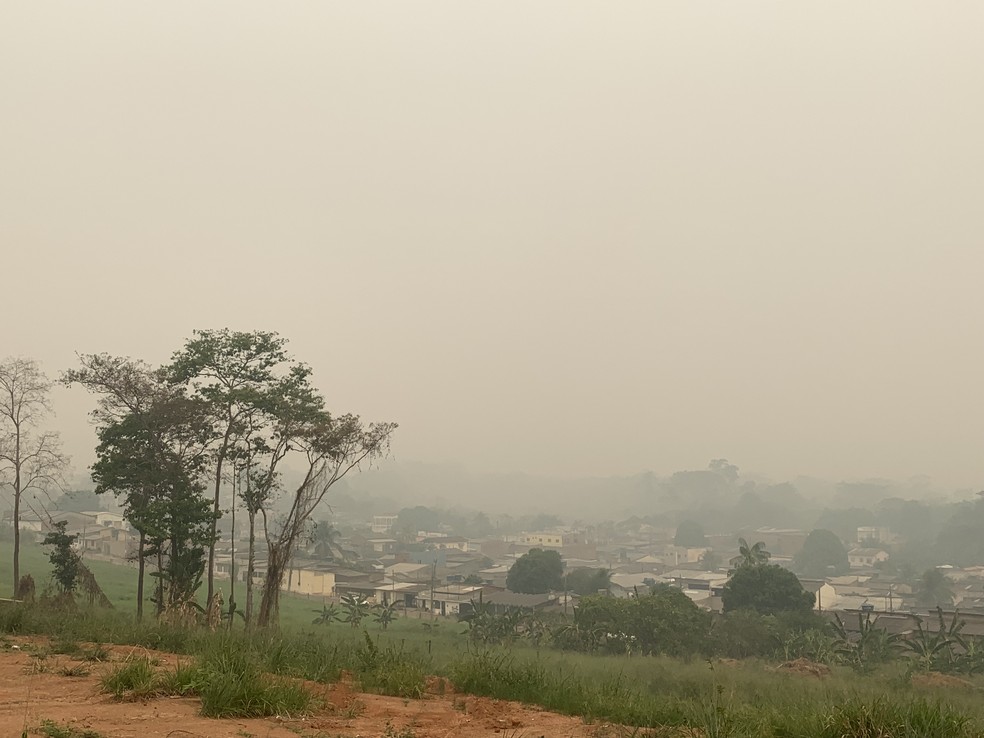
31	694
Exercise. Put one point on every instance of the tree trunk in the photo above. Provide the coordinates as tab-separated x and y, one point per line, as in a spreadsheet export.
141	563
17	496
215	523
270	604
160	579
250	568
232	558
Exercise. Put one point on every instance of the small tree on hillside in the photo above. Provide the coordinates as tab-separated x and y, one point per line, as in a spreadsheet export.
64	561
767	589
536	572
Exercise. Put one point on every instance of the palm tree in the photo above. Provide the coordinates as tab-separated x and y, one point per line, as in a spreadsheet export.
384	614
754	555
355	608
327	539
327	614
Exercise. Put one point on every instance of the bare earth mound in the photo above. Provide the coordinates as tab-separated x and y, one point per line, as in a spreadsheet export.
32	692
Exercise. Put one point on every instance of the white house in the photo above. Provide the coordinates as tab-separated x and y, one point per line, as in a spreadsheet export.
865	558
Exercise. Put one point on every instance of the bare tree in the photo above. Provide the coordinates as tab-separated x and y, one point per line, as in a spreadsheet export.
333	447
30	458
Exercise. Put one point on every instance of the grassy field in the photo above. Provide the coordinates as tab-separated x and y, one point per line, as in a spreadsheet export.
120	584
748	698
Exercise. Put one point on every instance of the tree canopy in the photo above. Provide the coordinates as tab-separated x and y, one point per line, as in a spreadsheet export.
690	534
588	581
766	589
536	572
822	554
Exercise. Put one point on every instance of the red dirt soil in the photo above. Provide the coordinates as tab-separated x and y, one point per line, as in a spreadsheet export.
29	696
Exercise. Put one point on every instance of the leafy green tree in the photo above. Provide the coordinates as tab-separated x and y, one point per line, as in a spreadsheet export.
933	589
690	534
65	562
767	589
844	522
536	572
153	441
79	500
412	519
231	371
665	621
743	633
153	462
823	554
960	542
588	581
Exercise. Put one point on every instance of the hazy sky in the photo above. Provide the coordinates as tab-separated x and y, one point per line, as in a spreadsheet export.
553	237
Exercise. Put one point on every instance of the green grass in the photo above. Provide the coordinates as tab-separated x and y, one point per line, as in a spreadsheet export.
135	678
245	673
119	582
51	729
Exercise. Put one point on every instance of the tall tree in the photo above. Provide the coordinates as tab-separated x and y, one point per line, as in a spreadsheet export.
690	534
332	448
823	553
155	461
768	589
536	572
231	370
30	458
152	443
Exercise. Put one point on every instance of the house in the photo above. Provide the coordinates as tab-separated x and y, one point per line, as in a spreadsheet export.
495	576
866	558
310	578
448	599
109	542
108	519
442	543
549	540
626	584
869	534
824	594
785	542
383	523
502	602
381	545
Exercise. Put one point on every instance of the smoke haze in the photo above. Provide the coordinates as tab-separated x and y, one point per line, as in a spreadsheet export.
564	239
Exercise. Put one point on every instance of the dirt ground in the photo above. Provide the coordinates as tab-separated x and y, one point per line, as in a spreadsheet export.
31	694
